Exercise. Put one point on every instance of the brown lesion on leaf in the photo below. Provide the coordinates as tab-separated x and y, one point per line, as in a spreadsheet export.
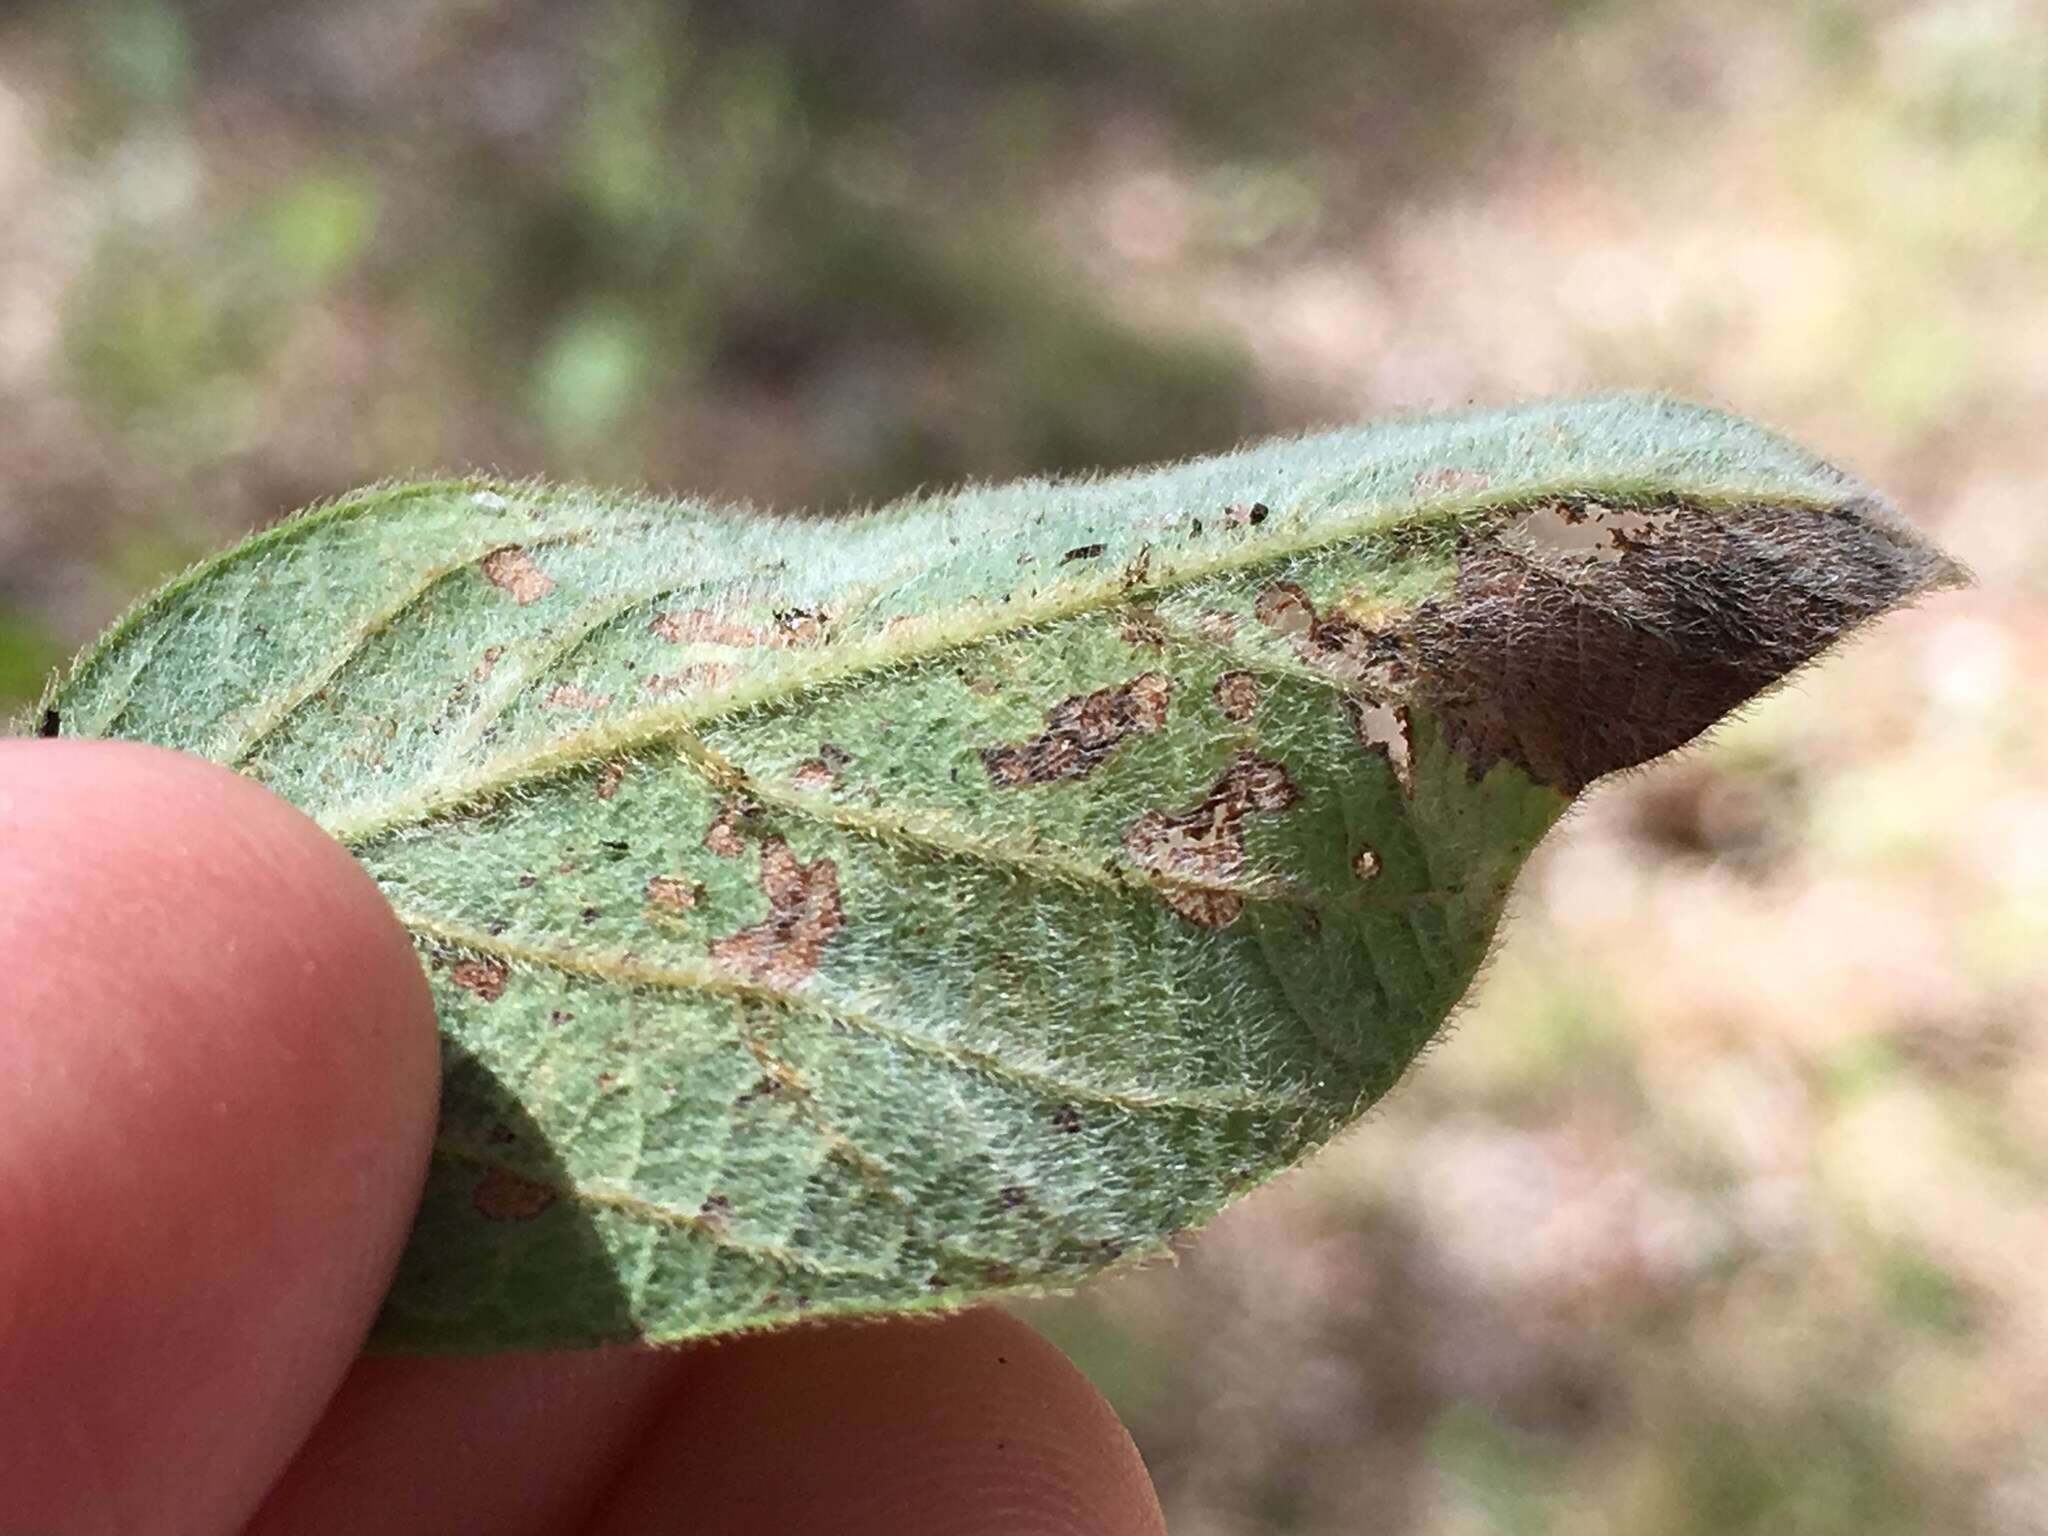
1333	643
609	778
1246	514
1237	696
1081	732
821	772
1204	845
1365	864
804	913
672	893
502	1195
1582	637
724	836
487	662
512	570
1142	630
1217	625
700	678
787	628
569	696
485	977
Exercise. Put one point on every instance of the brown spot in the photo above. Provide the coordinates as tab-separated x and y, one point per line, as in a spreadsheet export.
1573	664
701	677
784	948
1245	514
1081	732
1217	625
1237	695
1135	572
814	773
1084	552
1204	845
1285	609
512	570
1010	1196
1067	1119
502	1195
483	668
672	893
722	837
1365	864
715	1212
1449	480
609	777
1142	628
486	978
569	696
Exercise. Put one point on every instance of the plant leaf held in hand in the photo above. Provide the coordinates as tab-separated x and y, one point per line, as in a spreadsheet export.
864	915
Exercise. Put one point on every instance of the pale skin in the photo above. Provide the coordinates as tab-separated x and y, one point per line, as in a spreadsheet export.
217	1092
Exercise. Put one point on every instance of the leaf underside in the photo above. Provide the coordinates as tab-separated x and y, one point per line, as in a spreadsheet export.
874	914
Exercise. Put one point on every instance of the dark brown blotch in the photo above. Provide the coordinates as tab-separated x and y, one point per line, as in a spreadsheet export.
1081	733
484	977
1204	847
1237	695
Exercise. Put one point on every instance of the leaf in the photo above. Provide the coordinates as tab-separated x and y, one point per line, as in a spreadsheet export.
869	915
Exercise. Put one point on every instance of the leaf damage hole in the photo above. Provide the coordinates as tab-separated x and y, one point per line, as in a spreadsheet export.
513	571
502	1195
1588	529
1384	729
1206	842
1081	732
804	913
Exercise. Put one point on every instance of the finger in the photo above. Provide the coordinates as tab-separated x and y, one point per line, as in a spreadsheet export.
968	1425
517	1445
217	1089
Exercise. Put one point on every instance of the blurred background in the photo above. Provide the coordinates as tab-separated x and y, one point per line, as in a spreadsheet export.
1724	1209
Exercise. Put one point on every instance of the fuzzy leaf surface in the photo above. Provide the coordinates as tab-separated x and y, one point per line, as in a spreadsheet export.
874	914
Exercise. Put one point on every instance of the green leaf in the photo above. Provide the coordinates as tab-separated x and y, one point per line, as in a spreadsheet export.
876	914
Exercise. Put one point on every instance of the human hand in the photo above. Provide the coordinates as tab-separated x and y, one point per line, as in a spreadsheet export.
217	1092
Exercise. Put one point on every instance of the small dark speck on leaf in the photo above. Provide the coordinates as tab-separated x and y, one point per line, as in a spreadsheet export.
49	724
1084	552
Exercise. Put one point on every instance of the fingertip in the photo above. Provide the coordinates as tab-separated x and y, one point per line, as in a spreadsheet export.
218	1077
969	1424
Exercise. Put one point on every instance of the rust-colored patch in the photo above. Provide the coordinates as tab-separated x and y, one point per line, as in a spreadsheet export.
512	570
784	948
723	837
502	1195
672	893
609	778
1204	845
822	771
569	696
1081	732
699	678
1237	695
486	978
